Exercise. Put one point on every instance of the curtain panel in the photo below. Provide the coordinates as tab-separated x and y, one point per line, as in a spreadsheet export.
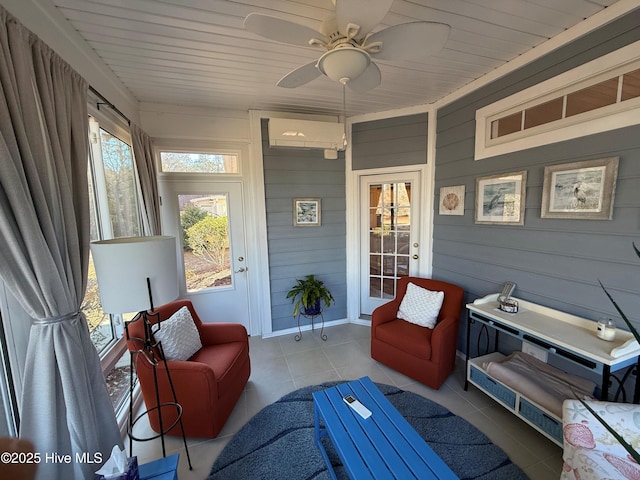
44	233
143	153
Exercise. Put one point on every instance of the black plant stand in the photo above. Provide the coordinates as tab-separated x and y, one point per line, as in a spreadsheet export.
312	316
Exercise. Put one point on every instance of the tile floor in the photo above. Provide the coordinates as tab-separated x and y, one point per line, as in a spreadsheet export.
280	365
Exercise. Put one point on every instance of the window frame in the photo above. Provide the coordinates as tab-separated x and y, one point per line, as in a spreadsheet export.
106	120
610	117
213	148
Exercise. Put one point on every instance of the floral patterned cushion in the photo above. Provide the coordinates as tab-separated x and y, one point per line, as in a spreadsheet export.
591	452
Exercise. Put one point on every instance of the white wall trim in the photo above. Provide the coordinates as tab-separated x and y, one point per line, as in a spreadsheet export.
397	112
429	181
352	201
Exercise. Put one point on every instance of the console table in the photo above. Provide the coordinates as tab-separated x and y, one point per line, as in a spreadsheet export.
568	336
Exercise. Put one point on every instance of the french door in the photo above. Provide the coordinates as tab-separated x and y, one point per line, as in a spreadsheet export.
207	218
389	242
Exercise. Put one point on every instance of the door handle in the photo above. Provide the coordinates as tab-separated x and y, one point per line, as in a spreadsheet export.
241	269
416	256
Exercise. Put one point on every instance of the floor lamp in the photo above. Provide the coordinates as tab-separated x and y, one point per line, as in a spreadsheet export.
133	273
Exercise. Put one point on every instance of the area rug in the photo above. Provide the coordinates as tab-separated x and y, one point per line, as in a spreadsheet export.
278	443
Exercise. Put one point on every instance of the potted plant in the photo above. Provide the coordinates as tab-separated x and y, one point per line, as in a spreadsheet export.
307	295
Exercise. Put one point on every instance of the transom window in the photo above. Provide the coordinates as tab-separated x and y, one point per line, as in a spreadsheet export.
614	90
191	162
599	96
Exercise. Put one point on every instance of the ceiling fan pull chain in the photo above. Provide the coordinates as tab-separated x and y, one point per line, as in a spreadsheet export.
344	114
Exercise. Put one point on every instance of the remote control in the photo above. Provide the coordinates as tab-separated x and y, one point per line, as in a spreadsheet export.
360	409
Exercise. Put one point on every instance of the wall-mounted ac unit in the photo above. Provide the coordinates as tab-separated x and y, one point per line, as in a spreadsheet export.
284	132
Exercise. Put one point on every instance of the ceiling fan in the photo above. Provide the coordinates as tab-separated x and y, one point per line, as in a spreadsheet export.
350	44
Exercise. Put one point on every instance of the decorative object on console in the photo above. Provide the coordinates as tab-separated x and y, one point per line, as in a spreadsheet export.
500	199
508	304
606	330
131	273
580	190
452	200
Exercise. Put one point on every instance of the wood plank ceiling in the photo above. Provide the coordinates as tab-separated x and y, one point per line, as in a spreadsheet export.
196	52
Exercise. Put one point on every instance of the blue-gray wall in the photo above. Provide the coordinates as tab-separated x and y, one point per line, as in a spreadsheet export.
390	142
556	263
298	251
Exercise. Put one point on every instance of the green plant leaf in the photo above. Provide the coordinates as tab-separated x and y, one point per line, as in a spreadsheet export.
624	317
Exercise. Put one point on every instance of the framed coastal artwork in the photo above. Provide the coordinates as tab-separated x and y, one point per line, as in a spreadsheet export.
500	199
580	190
452	200
306	212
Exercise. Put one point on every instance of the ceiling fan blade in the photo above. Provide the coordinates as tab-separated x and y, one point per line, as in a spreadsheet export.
367	80
280	30
300	76
365	13
410	41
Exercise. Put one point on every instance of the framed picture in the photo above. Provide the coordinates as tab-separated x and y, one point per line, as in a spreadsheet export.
580	190
306	212
500	198
452	200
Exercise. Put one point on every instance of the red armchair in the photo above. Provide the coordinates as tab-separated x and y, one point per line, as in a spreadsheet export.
424	354
207	385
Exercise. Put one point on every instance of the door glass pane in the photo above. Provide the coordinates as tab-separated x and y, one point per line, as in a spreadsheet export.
389	226
205	240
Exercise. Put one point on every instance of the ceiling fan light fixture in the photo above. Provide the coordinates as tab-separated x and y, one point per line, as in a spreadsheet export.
343	64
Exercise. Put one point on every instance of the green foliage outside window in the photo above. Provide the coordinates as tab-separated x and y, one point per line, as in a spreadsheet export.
188	218
209	239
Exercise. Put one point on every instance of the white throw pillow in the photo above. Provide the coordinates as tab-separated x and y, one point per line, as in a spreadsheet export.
179	336
420	306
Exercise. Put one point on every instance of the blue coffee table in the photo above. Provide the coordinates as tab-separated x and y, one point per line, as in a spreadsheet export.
384	446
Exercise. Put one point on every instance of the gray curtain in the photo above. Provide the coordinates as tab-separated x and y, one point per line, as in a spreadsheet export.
44	233
143	152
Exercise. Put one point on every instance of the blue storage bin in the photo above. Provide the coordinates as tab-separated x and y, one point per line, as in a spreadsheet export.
499	391
541	419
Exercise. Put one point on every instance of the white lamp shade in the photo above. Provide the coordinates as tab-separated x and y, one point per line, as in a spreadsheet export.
123	266
344	63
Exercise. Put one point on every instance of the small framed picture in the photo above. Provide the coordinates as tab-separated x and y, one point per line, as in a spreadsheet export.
306	212
580	190
452	200
500	199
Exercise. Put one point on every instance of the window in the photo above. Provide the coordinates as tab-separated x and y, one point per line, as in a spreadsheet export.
197	162
114	212
571	105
